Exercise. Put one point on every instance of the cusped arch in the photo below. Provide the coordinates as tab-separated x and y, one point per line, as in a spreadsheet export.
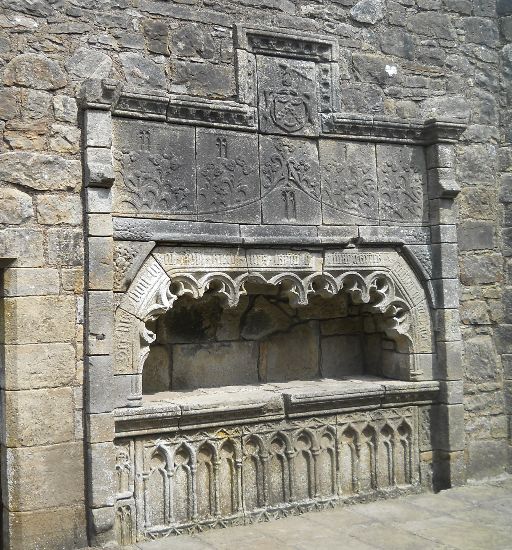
390	289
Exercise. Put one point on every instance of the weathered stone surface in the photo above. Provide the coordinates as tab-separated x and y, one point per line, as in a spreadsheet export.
341	356
32	366
487	458
58	527
39	319
44	477
39	171
53	209
263	319
486	268
65	247
290	356
65	108
53	409
204	79
402	182
290	181
227	178
349	183
480	358
158	169
368	11
142	71
16	206
34	71
219	364
88	63
64	138
286	97
24	246
30	282
476	236
156	374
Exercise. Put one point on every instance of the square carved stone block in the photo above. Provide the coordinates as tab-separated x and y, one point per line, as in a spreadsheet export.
287	96
290	181
349	183
228	176
402	179
155	169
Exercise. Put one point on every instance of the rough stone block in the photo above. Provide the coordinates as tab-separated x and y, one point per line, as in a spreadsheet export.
98	128
102	468
98	200
65	247
156	376
99	170
476	235
31	366
24	246
30	282
100	328
40	171
45	477
32	70
100	263
216	364
39	319
482	269
487	458
86	63
53	209
449	432
39	417
480	358
65	108
290	356
56	528
17	206
449	361
100	225
443	212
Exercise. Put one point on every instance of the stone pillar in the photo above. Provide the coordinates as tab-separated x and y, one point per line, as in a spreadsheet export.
99	375
448	414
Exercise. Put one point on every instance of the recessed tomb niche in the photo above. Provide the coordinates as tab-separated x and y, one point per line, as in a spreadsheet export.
203	343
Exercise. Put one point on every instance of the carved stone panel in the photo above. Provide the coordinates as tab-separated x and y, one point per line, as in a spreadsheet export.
287	96
290	181
402	178
228	176
155	165
349	183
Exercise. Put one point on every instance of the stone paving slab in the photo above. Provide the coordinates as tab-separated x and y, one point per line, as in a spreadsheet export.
474	517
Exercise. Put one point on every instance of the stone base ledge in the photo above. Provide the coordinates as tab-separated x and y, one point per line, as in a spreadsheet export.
170	411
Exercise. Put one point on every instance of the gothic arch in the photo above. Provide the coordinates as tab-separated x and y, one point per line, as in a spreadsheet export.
384	283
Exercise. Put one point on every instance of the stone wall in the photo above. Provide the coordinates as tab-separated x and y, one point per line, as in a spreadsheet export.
404	58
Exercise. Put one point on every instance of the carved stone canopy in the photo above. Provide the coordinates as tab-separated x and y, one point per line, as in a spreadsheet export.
381	279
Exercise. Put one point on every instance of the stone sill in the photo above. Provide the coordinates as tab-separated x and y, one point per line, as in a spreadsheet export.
171	411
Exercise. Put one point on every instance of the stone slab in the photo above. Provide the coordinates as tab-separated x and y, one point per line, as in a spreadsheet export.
290	181
227	176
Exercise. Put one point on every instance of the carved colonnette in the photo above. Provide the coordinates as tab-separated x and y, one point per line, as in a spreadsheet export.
186	481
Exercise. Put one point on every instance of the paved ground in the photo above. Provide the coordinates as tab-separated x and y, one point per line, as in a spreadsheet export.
475	517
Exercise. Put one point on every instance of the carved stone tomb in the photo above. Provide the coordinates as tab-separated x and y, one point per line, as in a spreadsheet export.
272	298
